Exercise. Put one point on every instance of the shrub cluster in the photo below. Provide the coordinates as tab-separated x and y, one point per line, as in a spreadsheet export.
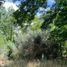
37	45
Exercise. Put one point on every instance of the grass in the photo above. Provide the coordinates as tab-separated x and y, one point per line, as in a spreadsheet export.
34	63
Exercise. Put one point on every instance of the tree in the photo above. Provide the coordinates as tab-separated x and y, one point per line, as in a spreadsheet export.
27	11
6	32
6	22
55	21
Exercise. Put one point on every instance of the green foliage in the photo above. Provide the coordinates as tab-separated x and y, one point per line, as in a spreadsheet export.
37	23
27	11
55	21
27	47
6	22
18	40
32	44
2	40
6	30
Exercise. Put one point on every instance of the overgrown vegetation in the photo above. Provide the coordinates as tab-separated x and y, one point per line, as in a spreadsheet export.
25	35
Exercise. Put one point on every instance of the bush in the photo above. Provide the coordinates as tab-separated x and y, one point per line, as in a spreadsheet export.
7	48
12	50
36	45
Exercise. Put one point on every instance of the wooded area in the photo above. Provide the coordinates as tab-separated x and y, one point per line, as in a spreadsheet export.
26	35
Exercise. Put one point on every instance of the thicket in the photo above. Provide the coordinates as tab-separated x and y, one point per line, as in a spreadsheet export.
23	34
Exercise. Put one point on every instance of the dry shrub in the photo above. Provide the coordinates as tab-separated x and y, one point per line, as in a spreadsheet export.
35	45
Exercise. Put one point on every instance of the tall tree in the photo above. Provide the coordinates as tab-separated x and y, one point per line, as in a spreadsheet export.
55	21
28	10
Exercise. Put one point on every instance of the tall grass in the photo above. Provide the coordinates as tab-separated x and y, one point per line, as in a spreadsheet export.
34	63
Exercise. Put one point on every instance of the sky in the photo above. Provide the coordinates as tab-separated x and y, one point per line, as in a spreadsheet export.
15	3
50	3
10	4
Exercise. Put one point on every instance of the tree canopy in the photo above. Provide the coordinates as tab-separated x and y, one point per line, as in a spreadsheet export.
23	28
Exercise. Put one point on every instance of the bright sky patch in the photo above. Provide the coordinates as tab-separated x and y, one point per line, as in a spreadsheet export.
10	4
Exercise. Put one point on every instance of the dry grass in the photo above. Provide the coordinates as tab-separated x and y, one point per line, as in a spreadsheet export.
43	63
